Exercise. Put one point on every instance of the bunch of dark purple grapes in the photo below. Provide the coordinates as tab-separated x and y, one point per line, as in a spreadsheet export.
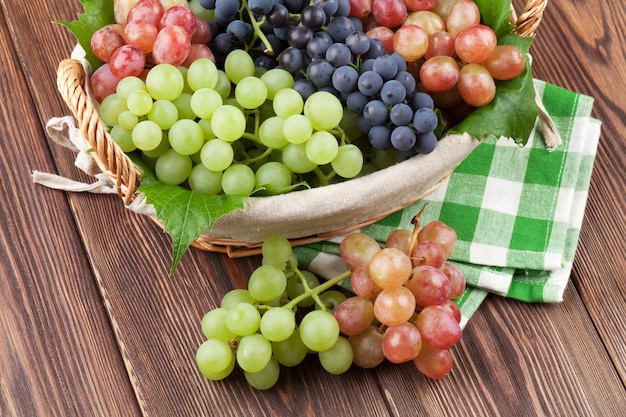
326	50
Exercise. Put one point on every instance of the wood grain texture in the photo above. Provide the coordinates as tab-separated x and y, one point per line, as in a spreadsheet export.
94	326
58	354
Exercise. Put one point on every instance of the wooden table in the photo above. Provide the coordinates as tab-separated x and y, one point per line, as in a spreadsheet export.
92	325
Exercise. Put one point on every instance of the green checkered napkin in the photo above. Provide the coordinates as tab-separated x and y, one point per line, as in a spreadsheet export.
517	211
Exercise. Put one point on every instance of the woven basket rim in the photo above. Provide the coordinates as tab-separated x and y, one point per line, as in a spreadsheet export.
72	81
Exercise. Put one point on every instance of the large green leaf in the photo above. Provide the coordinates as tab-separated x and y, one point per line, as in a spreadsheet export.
185	214
97	13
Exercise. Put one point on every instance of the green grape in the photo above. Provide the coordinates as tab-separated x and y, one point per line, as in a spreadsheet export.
243	319
266	378
295	287
331	299
139	102
147	135
319	330
183	105
217	155
277	324
183	72
127	85
297	128
271	132
204	101
214	325
196	7
238	65
267	282
223	86
202	73
236	296
253	352
186	137
348	162
338	358
173	168
294	157
228	123
205	124
165	82
205	181
213	356
291	351
322	147
276	79
127	120
123	138
250	92
164	113
217	376
276	250
159	150
110	109
273	174
324	110
287	102
238	179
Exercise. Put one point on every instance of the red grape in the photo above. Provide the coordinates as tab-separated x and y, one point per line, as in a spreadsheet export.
506	62
410	42
461	15
102	82
440	233
433	363
475	43
367	348
439	73
429	286
354	315
362	283
438	327
390	268
146	10
106	40
360	8
390	13
399	239
357	248
394	306
476	85
171	46
456	278
402	343
440	43
417	5
127	60
141	34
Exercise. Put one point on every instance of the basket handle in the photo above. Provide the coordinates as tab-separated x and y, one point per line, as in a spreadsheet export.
530	18
71	82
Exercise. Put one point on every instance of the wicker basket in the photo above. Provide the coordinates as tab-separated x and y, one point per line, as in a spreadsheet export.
295	215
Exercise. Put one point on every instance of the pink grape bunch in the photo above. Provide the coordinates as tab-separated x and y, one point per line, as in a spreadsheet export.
403	308
149	35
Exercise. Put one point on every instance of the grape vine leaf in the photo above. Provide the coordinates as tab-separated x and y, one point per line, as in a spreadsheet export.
97	13
184	214
513	111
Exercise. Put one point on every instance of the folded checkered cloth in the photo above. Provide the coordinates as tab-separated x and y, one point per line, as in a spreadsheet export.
517	210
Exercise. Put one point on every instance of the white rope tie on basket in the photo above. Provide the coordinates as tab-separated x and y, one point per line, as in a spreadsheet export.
56	128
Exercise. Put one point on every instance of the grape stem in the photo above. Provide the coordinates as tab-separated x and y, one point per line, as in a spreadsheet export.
258	33
315	291
415	221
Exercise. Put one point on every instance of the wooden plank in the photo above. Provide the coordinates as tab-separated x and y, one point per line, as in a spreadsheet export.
593	64
58	354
